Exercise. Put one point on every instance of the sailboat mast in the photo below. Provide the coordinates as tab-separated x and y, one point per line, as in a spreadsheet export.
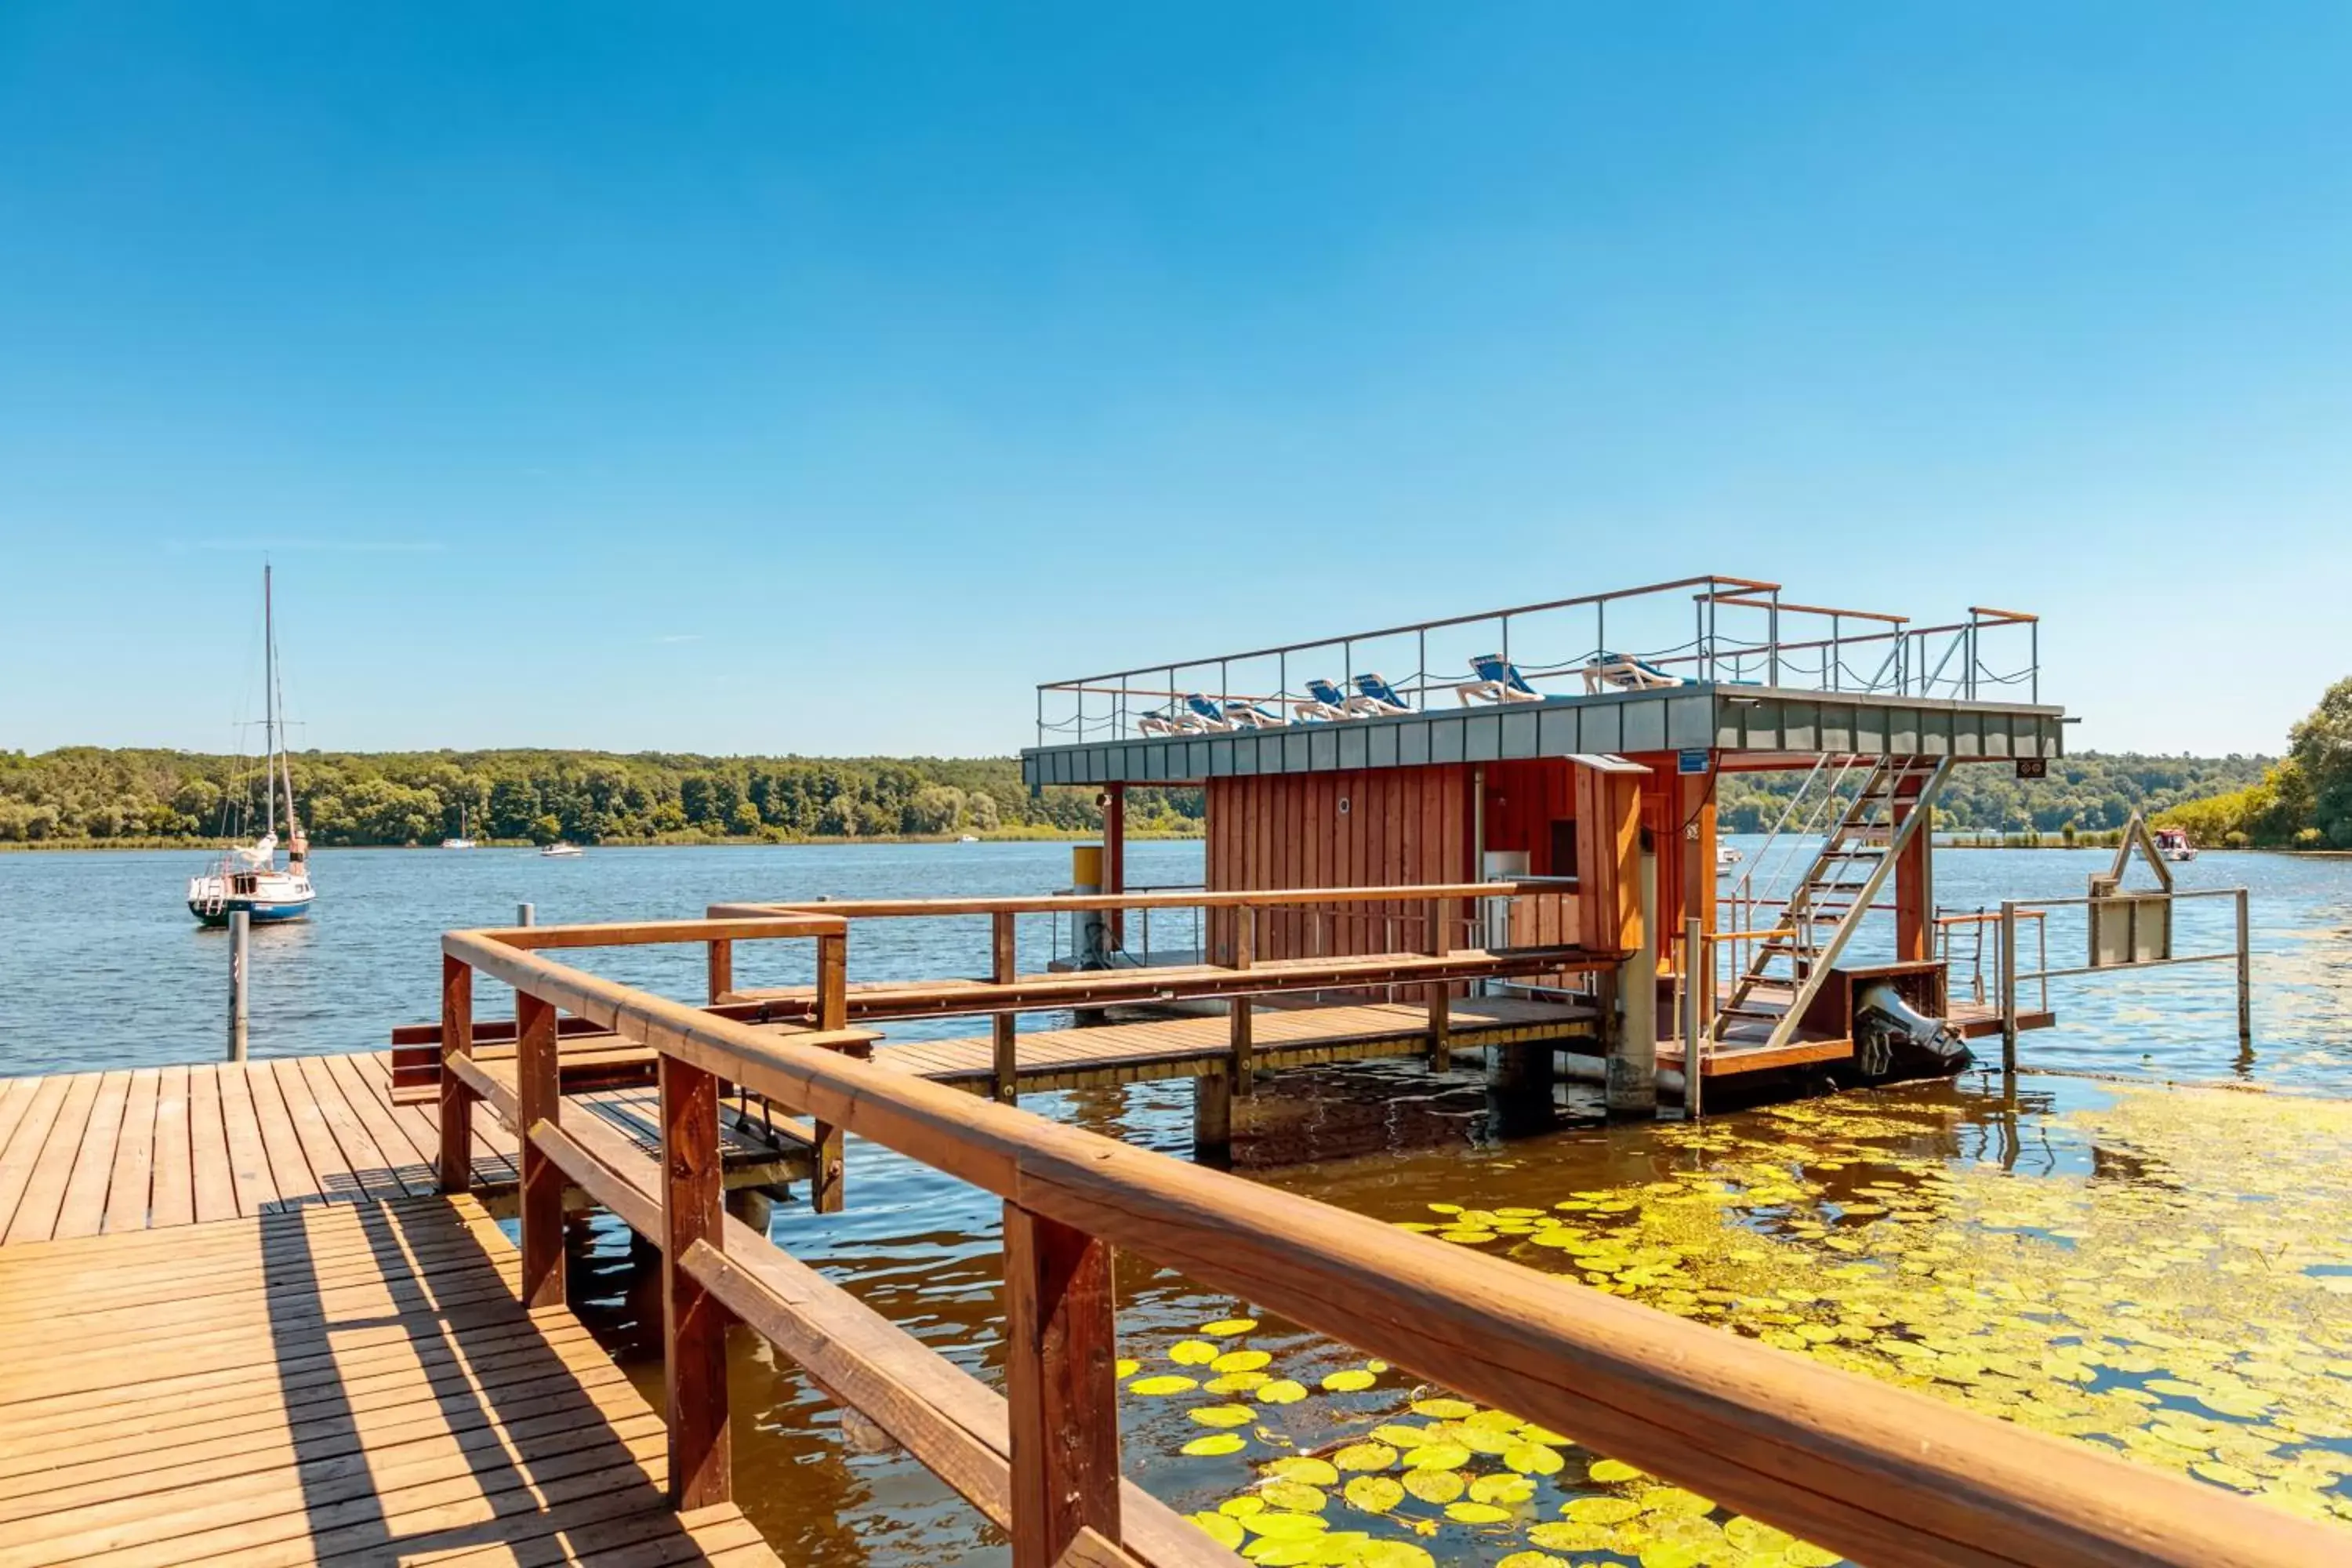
268	706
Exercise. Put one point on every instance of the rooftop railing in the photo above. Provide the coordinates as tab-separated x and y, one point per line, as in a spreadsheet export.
1741	631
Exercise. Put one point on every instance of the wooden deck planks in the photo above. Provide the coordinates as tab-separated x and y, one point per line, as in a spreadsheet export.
325	1383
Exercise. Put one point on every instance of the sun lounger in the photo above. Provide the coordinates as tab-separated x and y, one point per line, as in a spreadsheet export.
1168	724
1626	673
1248	715
1499	680
1205	713
1323	701
1376	697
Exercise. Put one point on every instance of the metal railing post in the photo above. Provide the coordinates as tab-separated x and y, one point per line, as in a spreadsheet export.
1698	979
2009	985
2246	972
240	955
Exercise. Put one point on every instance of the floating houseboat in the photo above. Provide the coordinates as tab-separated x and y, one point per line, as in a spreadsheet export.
1575	748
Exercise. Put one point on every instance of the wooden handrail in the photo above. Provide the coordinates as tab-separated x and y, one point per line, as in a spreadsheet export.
1878	1472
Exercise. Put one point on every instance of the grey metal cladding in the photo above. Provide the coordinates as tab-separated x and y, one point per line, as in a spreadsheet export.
1380	746
1482	737
1445	741
1645	725
1345	748
1412	745
1521	738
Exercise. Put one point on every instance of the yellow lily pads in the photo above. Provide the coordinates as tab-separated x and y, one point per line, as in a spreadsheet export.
1215	1442
1435	1485
1438	1456
1502	1488
1191	1353
1348	1382
1365	1457
1240	1360
1276	1526
1571	1536
1475	1513
1373	1494
1226	1328
1295	1497
1444	1409
1225	1530
1125	1369
1223	1415
1305	1467
1533	1459
1674	1502
1601	1509
1533	1560
1236	1383
1281	1391
1164	1384
1395	1554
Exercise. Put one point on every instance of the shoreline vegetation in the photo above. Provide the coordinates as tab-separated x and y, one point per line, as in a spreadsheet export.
89	797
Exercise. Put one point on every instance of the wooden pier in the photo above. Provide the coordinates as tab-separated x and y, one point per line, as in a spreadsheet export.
348	1383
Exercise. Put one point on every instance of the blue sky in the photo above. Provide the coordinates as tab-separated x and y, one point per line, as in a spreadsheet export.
817	378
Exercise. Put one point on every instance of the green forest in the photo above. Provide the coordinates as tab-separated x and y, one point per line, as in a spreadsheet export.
84	795
90	795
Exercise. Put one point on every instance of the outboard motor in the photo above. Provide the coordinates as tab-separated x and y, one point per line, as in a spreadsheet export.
1892	1039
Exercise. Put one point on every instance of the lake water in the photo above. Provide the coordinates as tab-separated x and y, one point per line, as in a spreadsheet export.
2144	1269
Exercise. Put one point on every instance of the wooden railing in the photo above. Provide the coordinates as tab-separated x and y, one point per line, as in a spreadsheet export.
1885	1474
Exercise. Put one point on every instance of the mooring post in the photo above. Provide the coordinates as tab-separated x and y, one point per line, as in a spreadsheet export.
1212	1118
1698	978
240	950
2009	985
2246	972
1633	1082
526	914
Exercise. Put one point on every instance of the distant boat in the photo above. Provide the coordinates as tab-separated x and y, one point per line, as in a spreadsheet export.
461	841
560	851
969	838
247	876
2173	844
1725	854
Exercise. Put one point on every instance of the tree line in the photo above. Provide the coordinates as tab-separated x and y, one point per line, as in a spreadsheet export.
2302	801
88	794
2093	792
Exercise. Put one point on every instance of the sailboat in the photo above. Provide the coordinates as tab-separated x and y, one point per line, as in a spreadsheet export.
461	841
247	876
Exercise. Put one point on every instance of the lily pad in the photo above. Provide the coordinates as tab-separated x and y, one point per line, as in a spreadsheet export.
1215	1442
1373	1494
1167	1382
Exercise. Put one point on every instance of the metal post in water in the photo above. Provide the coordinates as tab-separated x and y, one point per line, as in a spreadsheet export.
1632	1070
1698	978
240	927
2245	973
526	914
2008	987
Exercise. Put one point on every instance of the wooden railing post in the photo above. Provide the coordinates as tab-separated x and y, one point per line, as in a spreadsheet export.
1061	1345
1242	1039
457	1096
832	1013
694	1321
723	969
539	1098
1003	1033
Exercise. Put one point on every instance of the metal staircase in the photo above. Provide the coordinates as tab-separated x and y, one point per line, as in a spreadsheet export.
1786	970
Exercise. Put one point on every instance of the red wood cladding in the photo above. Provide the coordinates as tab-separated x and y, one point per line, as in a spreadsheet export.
1383	827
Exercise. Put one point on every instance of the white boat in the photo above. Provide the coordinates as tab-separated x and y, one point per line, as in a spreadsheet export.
560	851
1725	854
2173	844
461	841
969	838
247	876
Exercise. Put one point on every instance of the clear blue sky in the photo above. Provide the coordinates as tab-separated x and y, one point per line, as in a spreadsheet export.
794	377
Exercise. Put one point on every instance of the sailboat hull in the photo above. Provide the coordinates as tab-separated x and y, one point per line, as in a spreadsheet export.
258	911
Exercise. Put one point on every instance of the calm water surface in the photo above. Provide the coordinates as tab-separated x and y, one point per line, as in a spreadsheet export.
2038	1193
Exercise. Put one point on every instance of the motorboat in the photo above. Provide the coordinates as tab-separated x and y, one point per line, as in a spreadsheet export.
2173	844
561	850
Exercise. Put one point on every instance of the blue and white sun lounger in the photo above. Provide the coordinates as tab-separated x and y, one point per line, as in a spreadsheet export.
1499	680
1323	701
1627	673
1204	713
1377	699
1247	715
